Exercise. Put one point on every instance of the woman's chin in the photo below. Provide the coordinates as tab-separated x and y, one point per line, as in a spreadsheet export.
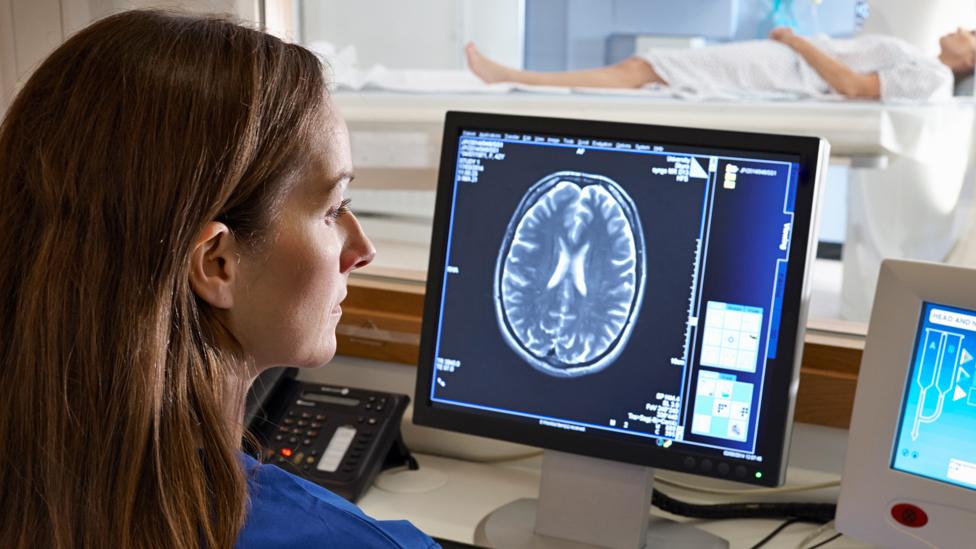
325	355
318	360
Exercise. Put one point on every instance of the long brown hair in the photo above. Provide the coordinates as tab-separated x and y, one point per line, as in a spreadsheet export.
123	144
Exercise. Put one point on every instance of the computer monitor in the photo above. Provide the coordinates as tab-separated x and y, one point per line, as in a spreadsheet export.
624	292
910	473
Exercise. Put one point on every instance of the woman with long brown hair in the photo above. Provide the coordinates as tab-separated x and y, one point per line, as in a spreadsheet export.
172	223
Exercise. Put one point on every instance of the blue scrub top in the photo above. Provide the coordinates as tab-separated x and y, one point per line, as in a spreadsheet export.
287	511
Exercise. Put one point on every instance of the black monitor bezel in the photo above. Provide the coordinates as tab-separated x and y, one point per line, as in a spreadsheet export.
777	412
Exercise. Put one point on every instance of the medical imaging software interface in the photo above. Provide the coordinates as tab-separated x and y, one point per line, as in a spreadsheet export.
935	437
619	286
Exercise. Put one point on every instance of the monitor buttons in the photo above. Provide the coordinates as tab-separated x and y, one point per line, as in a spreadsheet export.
690	462
909	515
706	466
723	468
740	471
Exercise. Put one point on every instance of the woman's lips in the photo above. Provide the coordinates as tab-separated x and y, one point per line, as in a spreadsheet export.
337	310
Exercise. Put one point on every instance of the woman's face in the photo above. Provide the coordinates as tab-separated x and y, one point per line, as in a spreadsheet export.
958	50
286	300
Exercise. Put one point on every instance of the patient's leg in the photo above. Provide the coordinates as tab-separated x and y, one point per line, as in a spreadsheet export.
633	72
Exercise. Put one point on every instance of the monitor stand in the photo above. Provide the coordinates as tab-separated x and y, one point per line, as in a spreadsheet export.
586	503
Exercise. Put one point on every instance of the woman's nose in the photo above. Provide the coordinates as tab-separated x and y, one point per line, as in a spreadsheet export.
368	254
359	250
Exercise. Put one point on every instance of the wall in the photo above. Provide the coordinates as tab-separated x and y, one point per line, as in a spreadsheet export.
426	34
573	34
920	23
31	29
418	34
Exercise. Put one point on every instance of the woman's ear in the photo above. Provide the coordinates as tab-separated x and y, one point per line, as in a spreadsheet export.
214	265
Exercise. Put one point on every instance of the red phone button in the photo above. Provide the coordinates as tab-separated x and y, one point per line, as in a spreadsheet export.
909	515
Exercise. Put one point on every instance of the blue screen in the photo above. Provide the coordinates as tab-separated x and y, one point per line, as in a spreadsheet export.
936	437
625	287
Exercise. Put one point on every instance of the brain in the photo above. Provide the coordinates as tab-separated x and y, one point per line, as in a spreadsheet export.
570	274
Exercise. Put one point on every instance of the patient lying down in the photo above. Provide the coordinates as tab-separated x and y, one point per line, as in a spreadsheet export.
786	65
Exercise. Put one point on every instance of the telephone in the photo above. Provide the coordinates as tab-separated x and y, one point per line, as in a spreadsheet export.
337	437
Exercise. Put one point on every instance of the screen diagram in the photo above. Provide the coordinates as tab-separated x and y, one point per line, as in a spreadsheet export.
731	336
723	406
939	411
570	274
938	371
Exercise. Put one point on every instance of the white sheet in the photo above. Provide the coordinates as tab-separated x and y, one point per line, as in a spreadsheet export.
696	79
348	76
774	71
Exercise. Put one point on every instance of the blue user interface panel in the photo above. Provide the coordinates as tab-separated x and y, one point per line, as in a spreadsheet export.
625	287
935	438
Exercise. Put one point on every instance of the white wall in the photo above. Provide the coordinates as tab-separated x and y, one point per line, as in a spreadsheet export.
31	29
920	22
497	27
427	34
8	62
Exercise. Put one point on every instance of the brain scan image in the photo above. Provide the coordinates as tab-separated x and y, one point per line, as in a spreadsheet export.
569	279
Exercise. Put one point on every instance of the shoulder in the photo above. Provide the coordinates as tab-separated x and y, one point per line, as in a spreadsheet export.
287	511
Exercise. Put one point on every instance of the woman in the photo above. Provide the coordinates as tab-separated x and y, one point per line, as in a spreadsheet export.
172	223
866	67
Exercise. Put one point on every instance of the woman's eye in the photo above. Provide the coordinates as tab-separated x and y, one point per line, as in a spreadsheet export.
339	211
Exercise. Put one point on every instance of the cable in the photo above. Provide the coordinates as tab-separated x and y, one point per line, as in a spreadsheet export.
809	512
505	458
775	533
819	513
747	491
814	535
826	541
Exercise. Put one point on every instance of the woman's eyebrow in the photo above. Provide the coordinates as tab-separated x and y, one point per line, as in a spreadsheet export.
345	176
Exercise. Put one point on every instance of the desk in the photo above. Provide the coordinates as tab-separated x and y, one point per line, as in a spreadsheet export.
473	489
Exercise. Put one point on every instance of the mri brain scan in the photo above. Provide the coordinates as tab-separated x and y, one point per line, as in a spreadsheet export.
569	279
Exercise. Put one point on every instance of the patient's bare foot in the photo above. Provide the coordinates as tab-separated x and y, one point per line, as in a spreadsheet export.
485	68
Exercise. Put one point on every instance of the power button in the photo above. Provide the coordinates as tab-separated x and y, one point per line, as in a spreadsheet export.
909	515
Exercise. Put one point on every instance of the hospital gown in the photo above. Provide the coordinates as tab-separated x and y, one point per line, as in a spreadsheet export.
765	69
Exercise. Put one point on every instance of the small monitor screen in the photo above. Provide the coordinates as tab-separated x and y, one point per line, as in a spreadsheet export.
935	438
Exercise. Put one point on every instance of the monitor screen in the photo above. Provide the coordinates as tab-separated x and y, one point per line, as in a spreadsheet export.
621	291
938	414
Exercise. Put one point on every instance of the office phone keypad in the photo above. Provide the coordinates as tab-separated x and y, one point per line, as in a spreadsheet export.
337	437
